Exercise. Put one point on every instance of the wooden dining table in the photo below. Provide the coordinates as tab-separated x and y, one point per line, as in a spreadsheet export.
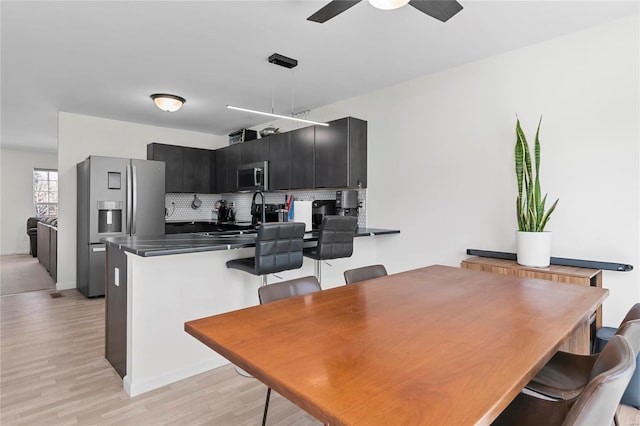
431	346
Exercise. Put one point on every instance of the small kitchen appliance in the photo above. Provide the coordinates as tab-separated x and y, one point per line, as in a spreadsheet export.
224	212
347	202
242	135
320	209
253	176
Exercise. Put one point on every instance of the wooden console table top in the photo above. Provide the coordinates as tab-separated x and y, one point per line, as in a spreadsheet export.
581	339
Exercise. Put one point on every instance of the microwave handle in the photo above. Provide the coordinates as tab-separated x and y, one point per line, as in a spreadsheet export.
256	176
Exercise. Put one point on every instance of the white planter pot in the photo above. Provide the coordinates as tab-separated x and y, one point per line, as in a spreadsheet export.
533	248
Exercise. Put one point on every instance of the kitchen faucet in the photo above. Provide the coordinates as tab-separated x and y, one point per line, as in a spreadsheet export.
253	202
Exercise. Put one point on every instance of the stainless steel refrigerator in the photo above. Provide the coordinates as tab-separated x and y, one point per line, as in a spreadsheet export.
117	197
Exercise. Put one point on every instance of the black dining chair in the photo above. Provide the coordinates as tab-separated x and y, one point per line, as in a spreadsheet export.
365	273
278	248
285	290
335	240
596	404
566	374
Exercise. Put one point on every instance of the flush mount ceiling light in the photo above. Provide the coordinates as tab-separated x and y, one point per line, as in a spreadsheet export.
388	4
285	62
168	103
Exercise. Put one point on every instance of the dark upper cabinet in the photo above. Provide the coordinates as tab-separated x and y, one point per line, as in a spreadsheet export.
220	170
213	178
302	158
187	169
307	158
279	161
341	154
172	156
254	151
196	170
227	162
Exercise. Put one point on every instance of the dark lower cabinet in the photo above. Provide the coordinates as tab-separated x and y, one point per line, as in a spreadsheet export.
302	160
179	228
279	161
116	315
341	154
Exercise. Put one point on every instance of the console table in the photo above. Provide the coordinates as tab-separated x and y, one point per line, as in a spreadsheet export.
580	341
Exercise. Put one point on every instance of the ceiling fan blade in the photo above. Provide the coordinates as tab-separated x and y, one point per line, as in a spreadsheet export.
442	10
331	10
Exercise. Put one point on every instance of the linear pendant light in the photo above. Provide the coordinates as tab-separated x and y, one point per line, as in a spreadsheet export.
269	114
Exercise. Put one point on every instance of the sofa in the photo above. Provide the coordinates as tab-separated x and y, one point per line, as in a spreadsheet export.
32	232
44	244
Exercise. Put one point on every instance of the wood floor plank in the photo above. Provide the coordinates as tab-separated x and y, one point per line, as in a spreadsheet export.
53	372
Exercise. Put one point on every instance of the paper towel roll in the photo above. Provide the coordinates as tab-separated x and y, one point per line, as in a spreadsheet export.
302	213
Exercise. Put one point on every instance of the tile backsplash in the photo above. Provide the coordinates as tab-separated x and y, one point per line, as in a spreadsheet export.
179	206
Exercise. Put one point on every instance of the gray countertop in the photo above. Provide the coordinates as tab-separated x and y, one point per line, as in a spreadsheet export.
162	245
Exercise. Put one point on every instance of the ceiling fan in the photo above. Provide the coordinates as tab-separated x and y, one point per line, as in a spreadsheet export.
442	10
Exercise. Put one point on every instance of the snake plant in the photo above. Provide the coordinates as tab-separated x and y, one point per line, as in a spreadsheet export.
530	205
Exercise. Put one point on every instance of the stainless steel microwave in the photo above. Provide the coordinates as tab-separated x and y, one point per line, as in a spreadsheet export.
253	176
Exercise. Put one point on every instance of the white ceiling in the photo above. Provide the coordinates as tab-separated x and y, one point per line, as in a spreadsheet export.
106	58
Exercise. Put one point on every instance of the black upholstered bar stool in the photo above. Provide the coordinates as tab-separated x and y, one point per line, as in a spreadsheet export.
278	248
335	240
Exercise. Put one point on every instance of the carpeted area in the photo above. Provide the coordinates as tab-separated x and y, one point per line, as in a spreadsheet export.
20	273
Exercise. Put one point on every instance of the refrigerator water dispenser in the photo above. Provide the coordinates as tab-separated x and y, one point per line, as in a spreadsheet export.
109	217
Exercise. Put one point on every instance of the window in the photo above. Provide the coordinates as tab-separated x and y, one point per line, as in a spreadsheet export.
45	192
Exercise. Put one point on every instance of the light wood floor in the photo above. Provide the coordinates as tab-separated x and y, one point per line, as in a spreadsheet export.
20	273
53	372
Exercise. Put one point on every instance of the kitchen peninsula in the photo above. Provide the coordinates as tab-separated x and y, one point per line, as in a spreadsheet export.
156	284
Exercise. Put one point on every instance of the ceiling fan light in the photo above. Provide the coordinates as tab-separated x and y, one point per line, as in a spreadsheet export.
388	4
168	103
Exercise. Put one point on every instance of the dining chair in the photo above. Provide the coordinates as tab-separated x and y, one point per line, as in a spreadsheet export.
285	290
278	248
335	240
596	404
565	374
365	273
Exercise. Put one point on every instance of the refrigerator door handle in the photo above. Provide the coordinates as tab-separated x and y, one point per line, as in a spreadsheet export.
134	196
129	200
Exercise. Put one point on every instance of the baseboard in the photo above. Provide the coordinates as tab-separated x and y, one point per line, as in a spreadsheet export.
64	286
149	384
9	253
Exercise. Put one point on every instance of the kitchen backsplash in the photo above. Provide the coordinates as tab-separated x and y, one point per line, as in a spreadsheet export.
179	206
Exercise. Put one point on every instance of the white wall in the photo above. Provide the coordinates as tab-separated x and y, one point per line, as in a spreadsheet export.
80	136
441	148
441	154
16	180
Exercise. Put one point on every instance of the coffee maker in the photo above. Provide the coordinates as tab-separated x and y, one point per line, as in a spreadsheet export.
347	202
320	209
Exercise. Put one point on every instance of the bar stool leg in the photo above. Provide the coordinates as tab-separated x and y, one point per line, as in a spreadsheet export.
317	270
